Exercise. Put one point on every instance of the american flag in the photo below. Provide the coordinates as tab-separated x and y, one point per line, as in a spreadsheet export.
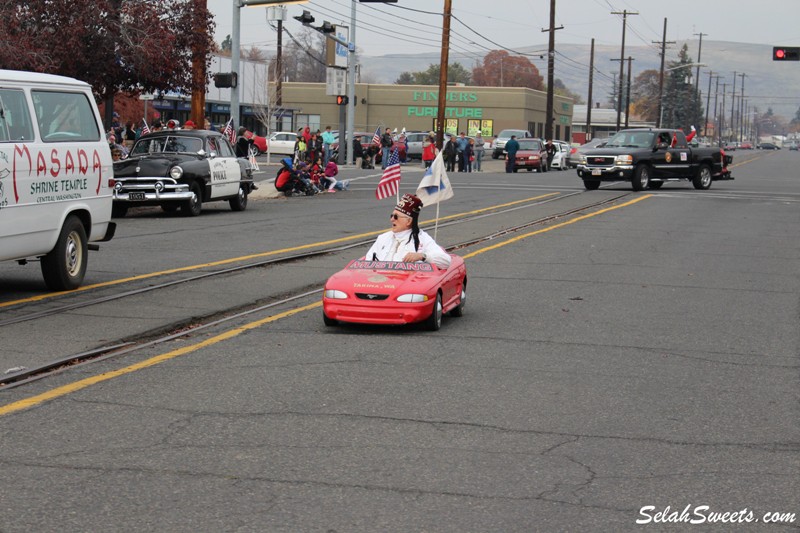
228	131
376	138
145	128
390	182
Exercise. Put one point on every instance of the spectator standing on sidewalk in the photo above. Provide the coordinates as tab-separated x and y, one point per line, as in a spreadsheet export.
327	140
512	147
478	152
386	146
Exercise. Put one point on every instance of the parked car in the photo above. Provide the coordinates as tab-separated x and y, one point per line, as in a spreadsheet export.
531	155
793	146
746	145
414	140
281	142
575	152
768	146
499	148
560	158
259	143
181	169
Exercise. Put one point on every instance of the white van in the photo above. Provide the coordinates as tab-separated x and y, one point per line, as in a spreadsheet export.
56	175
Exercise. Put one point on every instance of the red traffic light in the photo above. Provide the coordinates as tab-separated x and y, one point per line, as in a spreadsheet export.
786	53
342	100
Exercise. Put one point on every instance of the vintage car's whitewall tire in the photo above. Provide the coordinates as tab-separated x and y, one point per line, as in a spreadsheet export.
240	202
65	266
193	207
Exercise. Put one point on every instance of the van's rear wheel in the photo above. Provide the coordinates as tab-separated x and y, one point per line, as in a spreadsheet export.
65	266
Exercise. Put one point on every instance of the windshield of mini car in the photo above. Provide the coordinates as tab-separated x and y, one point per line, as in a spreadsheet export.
530	145
168	144
631	139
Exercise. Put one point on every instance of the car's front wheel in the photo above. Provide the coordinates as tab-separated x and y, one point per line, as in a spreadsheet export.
641	178
193	206
434	322
240	202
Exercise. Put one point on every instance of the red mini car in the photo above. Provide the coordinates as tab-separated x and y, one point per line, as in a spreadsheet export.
531	155
389	292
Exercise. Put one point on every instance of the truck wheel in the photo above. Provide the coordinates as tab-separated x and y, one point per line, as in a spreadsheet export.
703	178
434	322
193	206
591	185
240	202
64	267
641	178
656	184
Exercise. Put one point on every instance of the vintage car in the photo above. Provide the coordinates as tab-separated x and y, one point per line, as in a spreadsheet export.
531	155
181	169
389	292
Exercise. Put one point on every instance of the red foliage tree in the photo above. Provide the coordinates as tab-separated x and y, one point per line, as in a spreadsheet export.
131	46
501	69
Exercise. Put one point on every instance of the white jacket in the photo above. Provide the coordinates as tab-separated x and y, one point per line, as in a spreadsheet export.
392	246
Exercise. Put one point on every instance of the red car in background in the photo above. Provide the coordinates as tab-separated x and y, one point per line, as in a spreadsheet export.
259	142
532	155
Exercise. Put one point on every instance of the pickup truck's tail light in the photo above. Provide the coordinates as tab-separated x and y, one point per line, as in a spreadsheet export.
111	183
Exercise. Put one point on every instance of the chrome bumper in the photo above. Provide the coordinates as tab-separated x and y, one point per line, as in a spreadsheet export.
150	189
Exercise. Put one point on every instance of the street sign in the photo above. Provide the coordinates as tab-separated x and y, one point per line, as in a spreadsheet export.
146	96
336	81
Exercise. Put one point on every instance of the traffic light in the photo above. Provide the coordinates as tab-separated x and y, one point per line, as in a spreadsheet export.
786	53
226	79
342	100
305	18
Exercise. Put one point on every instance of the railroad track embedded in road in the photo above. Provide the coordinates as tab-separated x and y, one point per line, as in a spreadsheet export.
197	324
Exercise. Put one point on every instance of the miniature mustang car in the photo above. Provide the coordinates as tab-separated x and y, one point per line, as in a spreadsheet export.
181	168
389	292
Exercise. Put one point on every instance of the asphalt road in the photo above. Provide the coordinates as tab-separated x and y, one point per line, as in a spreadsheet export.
640	354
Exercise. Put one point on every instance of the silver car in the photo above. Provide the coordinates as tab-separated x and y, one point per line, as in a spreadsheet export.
575	153
414	142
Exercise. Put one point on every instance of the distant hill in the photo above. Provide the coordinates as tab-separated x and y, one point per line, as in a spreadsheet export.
766	84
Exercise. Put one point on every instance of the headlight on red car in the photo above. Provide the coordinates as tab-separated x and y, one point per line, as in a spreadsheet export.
335	295
412	298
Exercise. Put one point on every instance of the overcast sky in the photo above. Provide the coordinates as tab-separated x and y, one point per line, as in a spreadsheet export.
413	26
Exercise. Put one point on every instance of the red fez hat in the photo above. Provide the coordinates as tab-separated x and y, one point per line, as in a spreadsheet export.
409	205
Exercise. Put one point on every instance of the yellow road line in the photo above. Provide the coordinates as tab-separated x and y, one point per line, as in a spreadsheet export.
88	382
259	255
555	226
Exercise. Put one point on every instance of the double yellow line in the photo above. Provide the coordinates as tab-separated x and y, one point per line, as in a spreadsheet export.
93	380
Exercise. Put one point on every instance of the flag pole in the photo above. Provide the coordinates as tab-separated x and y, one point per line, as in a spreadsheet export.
436	224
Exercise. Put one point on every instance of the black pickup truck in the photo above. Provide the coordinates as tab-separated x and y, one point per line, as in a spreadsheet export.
647	158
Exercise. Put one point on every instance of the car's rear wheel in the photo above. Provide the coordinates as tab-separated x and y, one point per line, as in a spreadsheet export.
591	185
434	322
458	310
240	202
703	178
193	206
641	178
65	266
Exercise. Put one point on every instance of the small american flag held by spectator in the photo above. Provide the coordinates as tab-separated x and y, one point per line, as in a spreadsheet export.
229	133
376	138
145	128
390	182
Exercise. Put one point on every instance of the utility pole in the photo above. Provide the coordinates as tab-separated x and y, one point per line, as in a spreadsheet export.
664	44
279	69
448	9
733	99
628	97
697	101
741	106
624	14
198	114
590	104
716	107
551	52
722	113
708	101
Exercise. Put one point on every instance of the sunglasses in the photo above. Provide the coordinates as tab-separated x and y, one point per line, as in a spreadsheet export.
395	216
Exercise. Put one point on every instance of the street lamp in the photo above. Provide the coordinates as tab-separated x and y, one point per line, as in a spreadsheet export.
236	42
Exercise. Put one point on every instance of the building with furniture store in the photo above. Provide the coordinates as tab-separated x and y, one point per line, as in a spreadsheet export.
413	107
